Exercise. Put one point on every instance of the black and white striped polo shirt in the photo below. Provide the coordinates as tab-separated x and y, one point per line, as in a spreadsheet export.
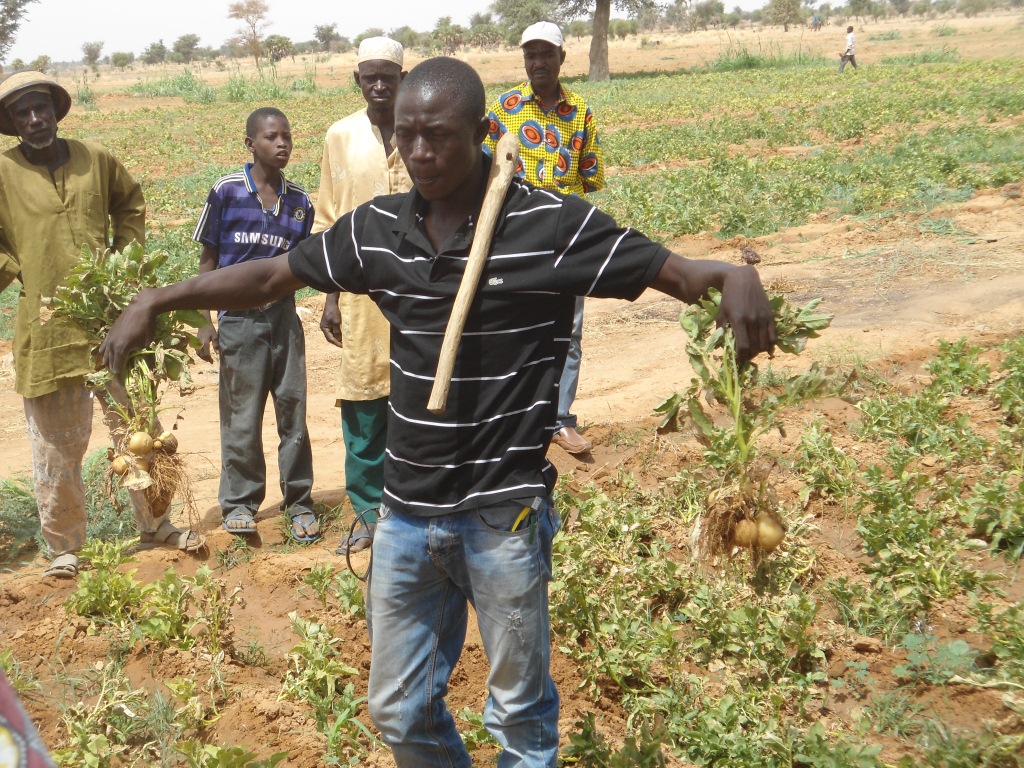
490	445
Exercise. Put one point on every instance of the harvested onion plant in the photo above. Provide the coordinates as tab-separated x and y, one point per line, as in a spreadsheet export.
742	511
93	296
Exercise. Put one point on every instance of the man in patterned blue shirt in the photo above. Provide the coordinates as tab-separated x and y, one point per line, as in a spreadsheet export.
250	215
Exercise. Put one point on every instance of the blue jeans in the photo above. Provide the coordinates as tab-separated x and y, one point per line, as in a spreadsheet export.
570	380
425	572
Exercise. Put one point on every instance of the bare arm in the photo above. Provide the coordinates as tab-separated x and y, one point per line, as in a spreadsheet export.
240	286
209	260
745	305
330	320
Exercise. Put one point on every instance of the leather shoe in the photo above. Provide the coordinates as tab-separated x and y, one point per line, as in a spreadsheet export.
571	441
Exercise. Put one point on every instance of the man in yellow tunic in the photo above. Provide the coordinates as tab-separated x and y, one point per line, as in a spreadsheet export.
57	195
558	149
361	162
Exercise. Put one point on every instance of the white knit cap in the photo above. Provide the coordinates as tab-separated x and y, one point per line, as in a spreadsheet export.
542	30
381	49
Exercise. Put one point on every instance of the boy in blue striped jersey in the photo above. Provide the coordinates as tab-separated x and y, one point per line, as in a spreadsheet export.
250	215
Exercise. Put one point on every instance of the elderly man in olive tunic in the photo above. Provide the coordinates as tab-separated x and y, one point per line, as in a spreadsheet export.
57	195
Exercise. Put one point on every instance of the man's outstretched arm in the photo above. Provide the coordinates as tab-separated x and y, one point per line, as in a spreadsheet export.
240	286
745	305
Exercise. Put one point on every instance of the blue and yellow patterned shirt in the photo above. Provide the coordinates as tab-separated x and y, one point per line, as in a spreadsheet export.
558	148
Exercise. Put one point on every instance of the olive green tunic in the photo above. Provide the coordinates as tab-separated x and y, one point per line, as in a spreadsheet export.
44	222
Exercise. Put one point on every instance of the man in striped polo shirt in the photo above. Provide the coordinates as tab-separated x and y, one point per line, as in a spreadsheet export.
467	515
252	215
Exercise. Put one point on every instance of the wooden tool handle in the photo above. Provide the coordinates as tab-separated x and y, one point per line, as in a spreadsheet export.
503	168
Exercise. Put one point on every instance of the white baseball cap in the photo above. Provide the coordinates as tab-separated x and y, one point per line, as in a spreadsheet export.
544	31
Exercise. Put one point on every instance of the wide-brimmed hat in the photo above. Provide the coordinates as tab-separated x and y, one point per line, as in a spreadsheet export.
31	80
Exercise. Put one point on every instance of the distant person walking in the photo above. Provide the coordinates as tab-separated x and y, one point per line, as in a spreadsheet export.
847	55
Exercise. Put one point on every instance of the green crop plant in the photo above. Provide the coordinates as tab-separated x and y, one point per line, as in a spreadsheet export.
165	617
588	747
107	718
477	735
744	495
22	680
900	513
870	609
613	591
995	511
199	755
19	518
316	675
932	662
213	601
319	580
827	471
103	593
957	368
347	589
1008	390
1004	626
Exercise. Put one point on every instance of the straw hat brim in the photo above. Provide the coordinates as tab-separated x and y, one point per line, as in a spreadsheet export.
20	80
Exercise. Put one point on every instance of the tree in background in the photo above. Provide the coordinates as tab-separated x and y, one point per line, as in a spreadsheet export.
11	13
407	36
326	34
40	64
121	59
91	53
277	47
516	15
785	12
973	7
156	53
708	12
602	12
253	15
186	48
447	36
371	32
579	29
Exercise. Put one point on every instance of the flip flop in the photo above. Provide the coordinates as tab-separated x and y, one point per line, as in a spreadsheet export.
240	522
169	536
305	528
360	538
63	567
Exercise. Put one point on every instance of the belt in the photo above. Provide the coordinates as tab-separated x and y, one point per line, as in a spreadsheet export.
261	308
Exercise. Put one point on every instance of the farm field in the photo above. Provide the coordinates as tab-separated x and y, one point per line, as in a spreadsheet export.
886	631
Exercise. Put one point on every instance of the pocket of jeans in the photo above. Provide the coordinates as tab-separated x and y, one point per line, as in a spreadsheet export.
508	519
383	514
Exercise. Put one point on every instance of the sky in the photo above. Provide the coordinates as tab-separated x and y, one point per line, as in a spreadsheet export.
57	28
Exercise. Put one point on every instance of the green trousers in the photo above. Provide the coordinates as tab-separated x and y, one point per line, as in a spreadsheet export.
364	429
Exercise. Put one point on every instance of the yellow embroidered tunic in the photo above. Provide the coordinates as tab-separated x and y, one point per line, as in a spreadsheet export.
44	222
356	168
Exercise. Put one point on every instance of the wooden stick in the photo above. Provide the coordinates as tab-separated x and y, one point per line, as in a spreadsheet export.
503	168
